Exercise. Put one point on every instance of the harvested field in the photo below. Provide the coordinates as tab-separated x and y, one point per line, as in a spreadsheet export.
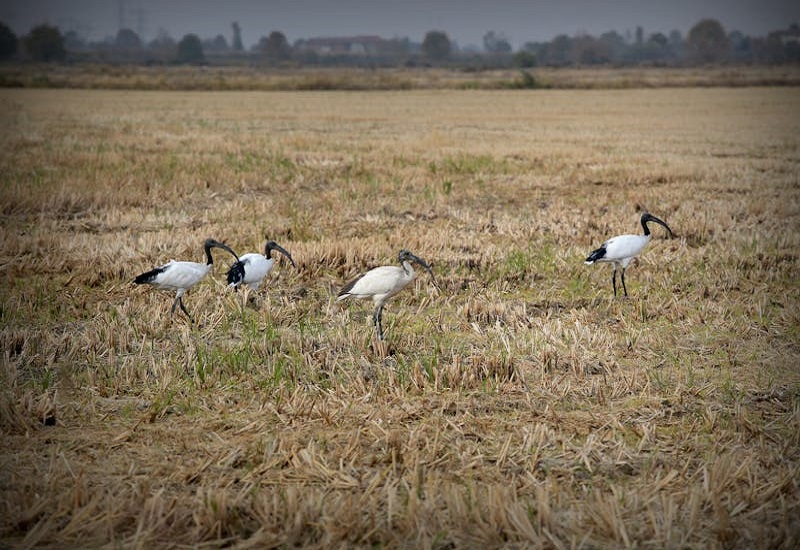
517	404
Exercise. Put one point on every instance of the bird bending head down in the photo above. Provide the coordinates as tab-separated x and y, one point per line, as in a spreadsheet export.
250	269
382	283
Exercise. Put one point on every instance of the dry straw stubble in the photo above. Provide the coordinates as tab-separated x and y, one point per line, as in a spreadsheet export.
519	404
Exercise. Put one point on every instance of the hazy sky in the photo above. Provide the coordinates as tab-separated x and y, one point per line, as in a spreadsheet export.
464	21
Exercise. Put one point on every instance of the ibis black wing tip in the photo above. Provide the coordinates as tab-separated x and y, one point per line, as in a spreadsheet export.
148	276
235	274
596	255
345	291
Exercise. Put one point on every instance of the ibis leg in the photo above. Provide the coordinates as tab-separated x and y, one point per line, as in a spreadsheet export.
614	280
623	282
183	307
175	303
377	318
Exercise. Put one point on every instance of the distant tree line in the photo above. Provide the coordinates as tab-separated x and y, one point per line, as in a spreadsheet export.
707	42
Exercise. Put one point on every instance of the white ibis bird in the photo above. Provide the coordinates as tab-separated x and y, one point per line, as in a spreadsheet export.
620	250
250	269
382	283
181	276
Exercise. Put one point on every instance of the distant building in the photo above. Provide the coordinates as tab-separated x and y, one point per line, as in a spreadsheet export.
789	36
343	45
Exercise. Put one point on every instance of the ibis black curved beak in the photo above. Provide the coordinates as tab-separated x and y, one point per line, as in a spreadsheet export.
213	243
272	245
650	218
406	255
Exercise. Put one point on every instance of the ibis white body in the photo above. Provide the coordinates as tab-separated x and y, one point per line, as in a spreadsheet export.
256	267
252	268
178	276
620	250
381	283
181	276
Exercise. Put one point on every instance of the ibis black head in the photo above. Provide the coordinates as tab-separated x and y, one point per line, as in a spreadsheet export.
213	243
648	217
406	256
272	245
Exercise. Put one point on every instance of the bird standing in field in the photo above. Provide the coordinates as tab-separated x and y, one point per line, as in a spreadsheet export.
181	276
250	269
622	249
382	283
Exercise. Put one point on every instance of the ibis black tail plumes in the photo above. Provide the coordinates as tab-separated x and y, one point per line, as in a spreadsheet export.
236	274
596	255
345	292
148	276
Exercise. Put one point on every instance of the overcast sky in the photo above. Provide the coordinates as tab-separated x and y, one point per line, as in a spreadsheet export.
464	21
